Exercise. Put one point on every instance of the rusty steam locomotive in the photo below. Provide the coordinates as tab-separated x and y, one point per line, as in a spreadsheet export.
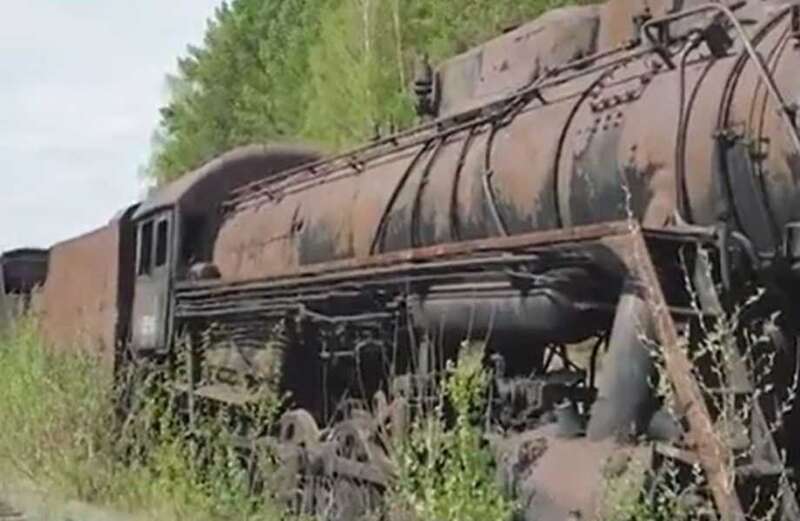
616	172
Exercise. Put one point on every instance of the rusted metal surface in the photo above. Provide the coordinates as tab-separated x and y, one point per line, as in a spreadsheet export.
558	478
515	59
411	257
86	301
617	248
176	227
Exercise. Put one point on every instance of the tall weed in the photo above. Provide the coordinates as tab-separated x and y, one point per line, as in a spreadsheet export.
60	432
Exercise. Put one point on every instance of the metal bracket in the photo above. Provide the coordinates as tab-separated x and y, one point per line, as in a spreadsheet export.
792	110
663	52
425	88
491	198
759	148
717	39
791	241
639	20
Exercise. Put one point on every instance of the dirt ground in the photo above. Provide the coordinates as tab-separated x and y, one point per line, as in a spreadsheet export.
17	504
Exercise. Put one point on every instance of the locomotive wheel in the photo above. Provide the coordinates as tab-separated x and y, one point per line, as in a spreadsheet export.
298	437
342	499
339	474
391	419
356	467
354	440
299	427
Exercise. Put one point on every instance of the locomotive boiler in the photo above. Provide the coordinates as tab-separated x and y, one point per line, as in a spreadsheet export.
614	174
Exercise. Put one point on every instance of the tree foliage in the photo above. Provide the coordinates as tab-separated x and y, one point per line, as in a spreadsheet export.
325	71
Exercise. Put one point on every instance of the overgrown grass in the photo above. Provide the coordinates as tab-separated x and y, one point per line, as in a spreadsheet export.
54	413
60	433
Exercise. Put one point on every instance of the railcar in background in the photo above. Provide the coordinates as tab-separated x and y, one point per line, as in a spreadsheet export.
85	305
22	271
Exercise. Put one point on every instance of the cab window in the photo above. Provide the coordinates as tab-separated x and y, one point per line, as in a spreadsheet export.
193	235
145	248
162	243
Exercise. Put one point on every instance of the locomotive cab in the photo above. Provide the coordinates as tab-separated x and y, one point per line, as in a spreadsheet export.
155	236
176	228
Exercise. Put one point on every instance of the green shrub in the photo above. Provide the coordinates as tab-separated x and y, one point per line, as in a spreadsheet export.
55	415
448	474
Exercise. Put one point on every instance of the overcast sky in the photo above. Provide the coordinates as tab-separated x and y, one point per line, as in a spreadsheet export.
81	82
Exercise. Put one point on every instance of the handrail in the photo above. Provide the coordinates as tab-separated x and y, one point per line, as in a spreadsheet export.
446	126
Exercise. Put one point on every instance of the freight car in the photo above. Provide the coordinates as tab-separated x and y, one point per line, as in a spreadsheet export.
615	173
86	301
21	272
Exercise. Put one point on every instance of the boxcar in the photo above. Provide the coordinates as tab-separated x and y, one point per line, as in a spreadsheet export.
21	272
87	299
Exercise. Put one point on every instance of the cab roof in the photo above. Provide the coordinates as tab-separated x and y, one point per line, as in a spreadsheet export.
215	179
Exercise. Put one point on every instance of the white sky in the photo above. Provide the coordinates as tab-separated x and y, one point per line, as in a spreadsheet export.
81	82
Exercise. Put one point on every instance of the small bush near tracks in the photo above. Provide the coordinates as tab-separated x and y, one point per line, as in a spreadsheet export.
447	474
